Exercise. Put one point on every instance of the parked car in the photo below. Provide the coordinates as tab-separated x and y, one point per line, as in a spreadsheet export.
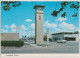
61	41
31	40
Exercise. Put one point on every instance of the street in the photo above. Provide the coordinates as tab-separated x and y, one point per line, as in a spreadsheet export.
68	47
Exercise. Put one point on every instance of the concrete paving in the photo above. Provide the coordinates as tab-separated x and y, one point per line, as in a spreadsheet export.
69	47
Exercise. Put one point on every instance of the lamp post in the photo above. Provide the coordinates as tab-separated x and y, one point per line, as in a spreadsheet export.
47	32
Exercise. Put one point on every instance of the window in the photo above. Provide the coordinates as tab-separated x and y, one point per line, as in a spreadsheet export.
39	17
70	38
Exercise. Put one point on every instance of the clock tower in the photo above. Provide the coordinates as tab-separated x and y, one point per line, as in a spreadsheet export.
39	24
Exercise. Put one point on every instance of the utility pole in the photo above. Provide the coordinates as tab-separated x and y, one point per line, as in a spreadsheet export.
75	33
31	33
47	32
17	29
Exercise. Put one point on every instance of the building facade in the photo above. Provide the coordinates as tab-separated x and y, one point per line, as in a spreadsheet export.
9	36
69	36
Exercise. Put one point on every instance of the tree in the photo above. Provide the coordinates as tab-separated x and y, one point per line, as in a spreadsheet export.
73	5
6	5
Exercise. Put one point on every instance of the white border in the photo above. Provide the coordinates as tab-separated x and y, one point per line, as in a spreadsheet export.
0	28
37	55
39	0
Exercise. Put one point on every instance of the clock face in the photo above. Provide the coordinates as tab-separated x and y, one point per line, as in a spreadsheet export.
39	8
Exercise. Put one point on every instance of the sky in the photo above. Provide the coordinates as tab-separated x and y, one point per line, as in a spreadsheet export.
24	17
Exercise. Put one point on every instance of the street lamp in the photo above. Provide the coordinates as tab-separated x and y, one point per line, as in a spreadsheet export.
47	32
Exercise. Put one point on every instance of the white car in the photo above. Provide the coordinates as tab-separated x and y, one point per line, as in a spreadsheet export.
31	40
61	41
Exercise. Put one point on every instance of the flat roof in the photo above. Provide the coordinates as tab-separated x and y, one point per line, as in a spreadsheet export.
38	6
63	33
9	33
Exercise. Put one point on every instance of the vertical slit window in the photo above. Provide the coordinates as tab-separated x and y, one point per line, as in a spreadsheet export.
39	17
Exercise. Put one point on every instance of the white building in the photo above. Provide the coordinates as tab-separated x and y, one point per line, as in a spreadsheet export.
69	36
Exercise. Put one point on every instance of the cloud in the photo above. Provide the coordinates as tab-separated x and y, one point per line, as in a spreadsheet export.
12	26
13	30
57	30
22	32
61	19
4	30
23	27
28	20
49	25
66	27
32	26
6	26
61	27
